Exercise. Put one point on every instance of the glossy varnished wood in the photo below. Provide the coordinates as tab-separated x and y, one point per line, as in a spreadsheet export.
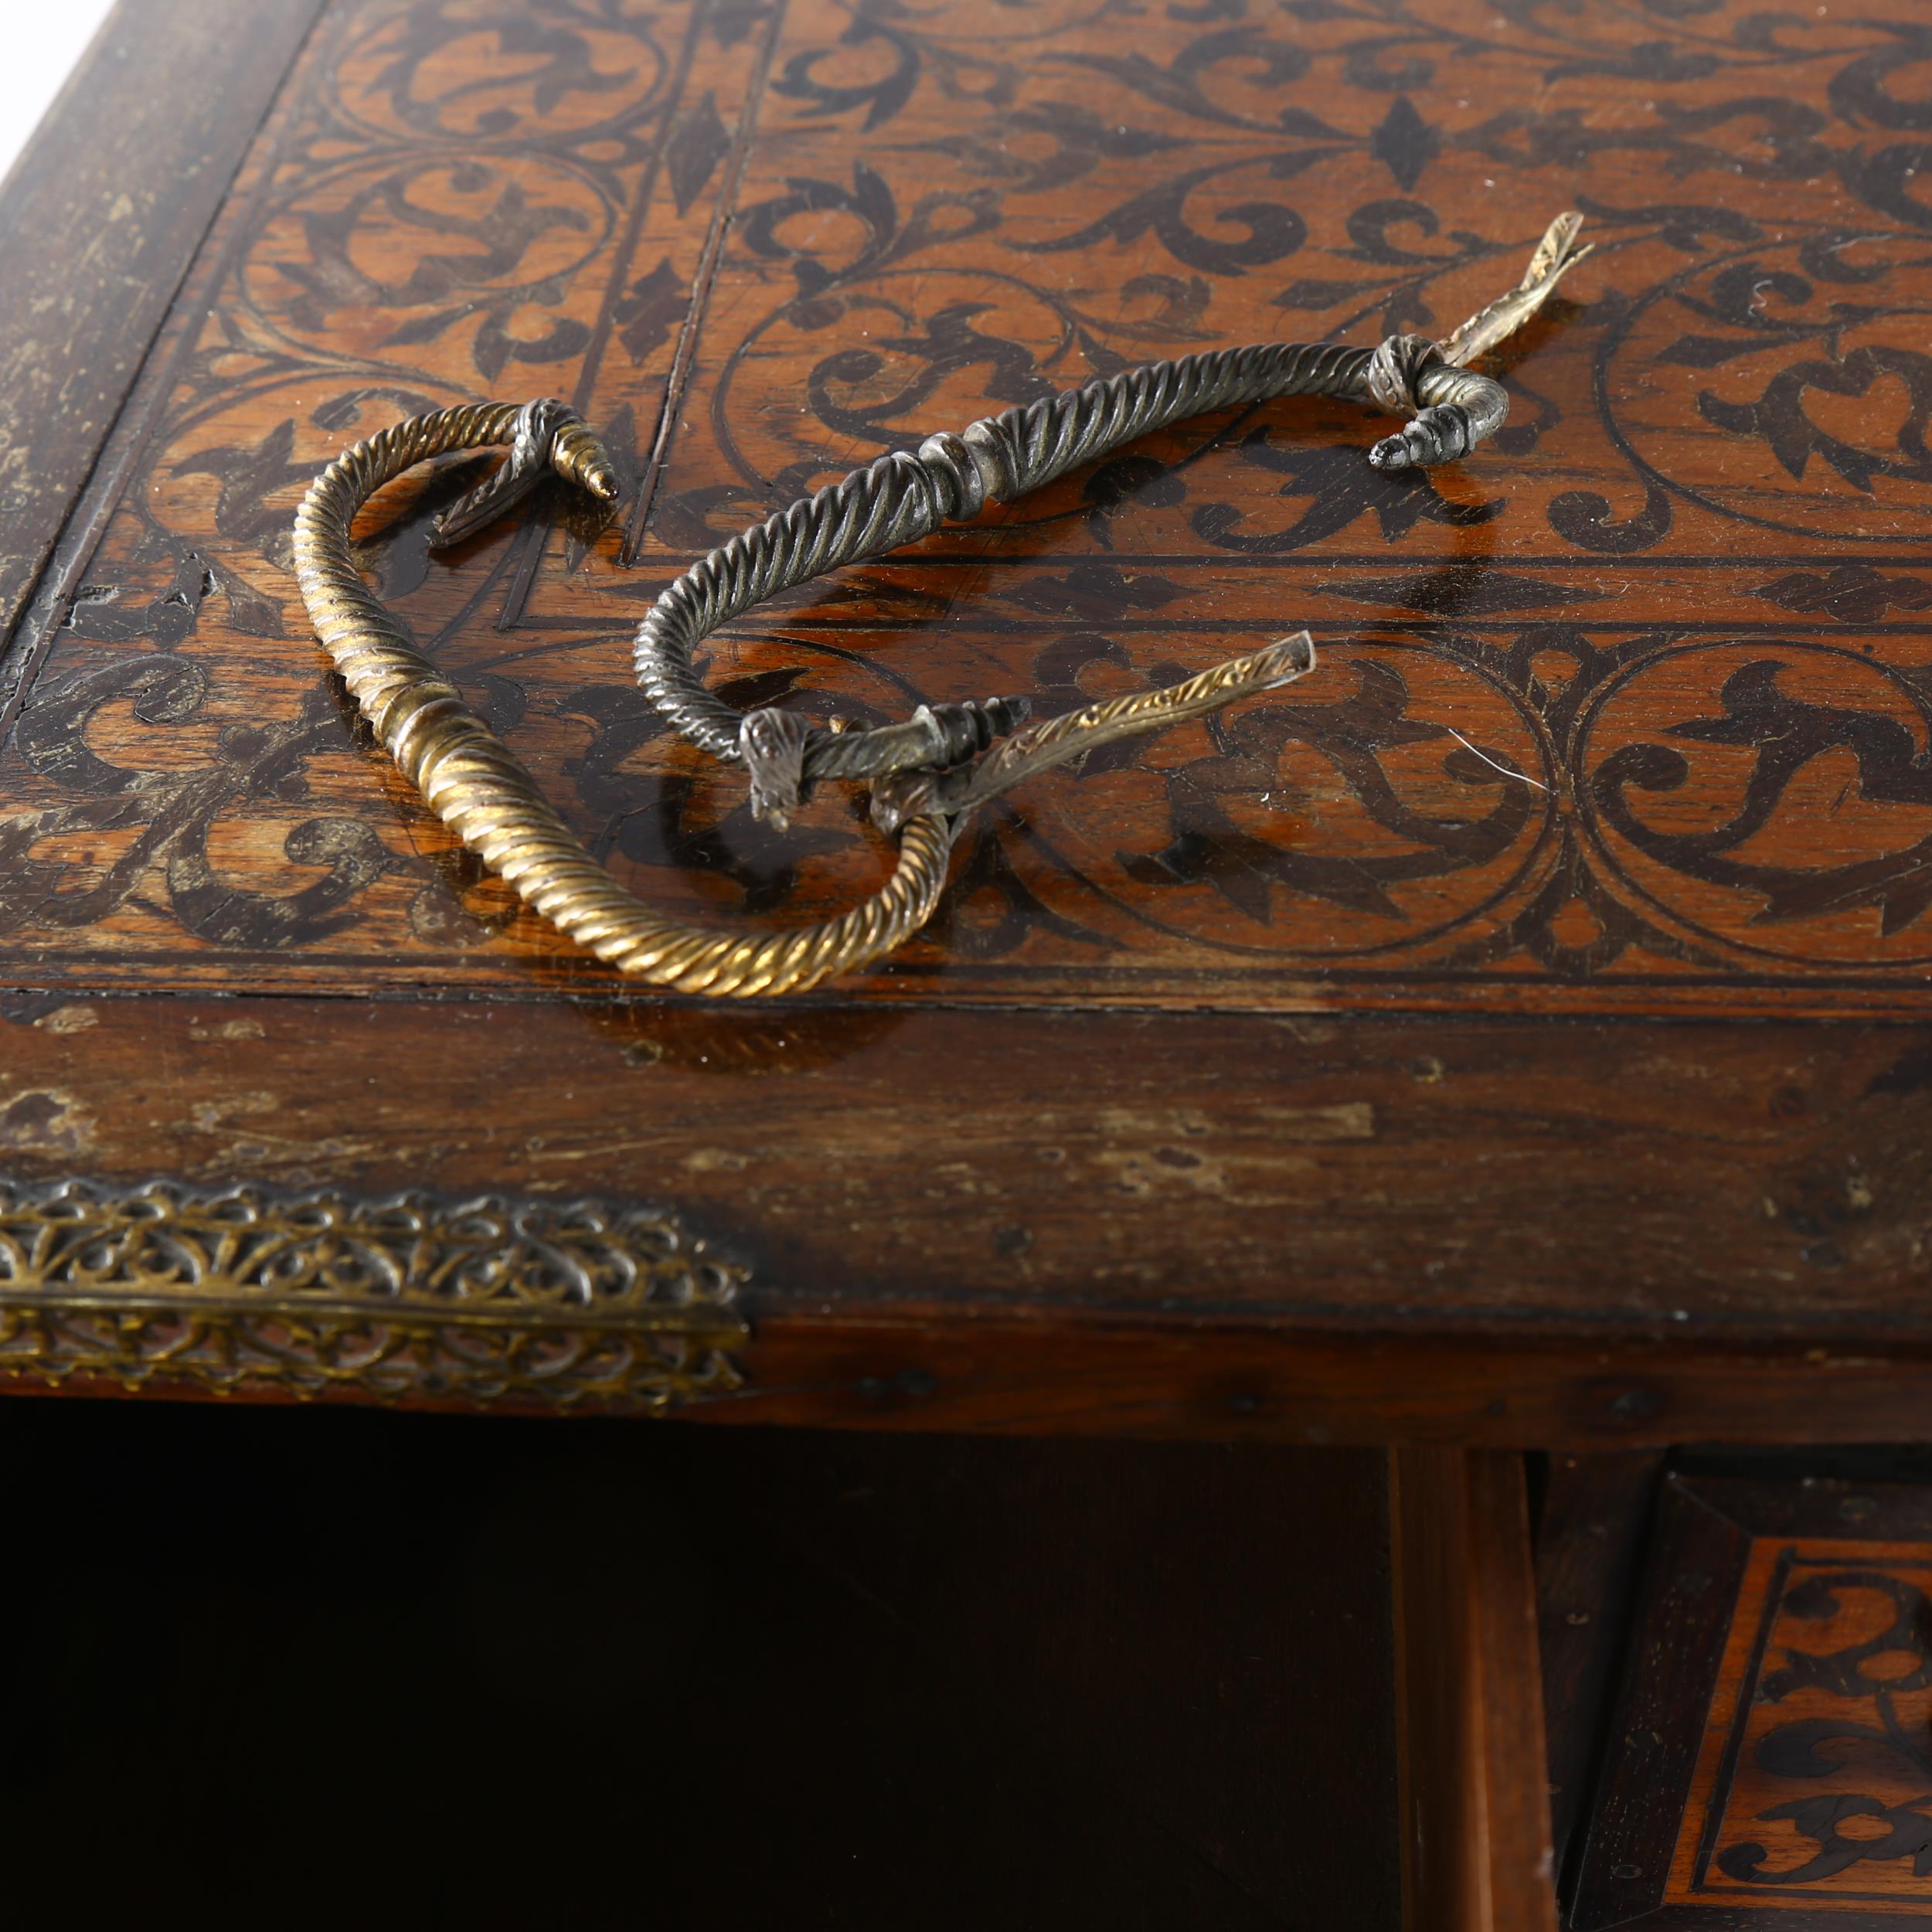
1622	715
1369	1070
1476	1847
1514	1035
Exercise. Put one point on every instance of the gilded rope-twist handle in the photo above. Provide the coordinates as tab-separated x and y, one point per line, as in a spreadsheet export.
930	773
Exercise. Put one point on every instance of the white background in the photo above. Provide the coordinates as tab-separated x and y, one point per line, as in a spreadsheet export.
43	40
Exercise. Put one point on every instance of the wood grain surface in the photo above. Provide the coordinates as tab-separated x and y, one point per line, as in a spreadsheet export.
1476	1848
1681	602
1767	1768
1396	1015
1100	1225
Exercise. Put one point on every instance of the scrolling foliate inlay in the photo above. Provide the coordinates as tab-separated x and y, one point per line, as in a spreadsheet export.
492	1300
1636	706
1812	1787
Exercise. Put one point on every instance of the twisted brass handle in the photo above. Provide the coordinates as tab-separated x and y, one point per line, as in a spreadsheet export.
481	790
931	773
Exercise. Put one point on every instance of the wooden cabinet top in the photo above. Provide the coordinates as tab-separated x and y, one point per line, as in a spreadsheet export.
1515	1032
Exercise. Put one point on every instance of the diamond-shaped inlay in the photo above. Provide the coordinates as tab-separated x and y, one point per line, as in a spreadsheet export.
1405	143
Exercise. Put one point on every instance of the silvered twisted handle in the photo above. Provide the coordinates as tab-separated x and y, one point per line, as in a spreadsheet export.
906	495
936	770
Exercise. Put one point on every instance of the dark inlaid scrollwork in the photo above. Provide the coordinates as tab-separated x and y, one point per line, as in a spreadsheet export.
759	245
1819	741
1858	1826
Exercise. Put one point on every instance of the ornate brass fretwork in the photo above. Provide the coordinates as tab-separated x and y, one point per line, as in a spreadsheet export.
486	1300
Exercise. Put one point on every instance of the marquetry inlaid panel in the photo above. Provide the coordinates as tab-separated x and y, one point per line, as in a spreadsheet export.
1768	1767
1634	707
1817	1757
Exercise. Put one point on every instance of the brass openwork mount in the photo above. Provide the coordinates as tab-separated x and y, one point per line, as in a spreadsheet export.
929	774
